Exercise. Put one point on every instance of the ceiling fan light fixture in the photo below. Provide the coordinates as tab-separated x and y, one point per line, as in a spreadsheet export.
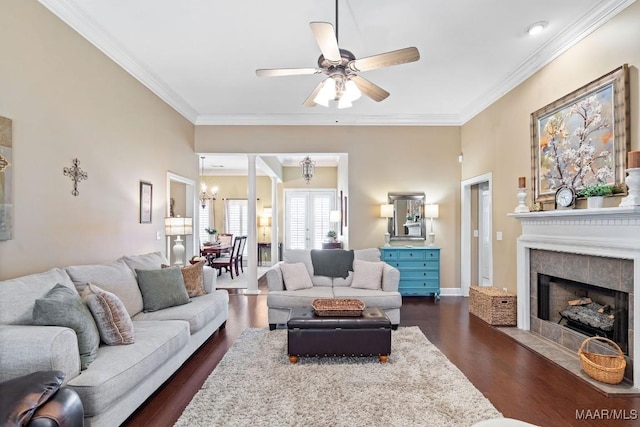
327	93
352	91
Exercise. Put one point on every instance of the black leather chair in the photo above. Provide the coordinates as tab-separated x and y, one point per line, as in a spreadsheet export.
39	400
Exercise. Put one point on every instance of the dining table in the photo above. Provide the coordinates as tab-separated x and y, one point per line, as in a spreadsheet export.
211	252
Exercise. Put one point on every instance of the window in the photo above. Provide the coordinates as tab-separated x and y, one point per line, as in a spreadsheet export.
203	222
307	218
236	212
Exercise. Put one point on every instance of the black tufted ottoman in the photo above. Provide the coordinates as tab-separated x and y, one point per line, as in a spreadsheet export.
311	335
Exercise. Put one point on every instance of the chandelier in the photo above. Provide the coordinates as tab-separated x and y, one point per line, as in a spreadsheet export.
204	195
308	167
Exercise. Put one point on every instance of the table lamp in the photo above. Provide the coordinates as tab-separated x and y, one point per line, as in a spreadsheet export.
178	226
431	211
386	211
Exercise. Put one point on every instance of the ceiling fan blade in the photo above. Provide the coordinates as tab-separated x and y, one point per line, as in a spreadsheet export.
372	90
309	102
396	57
278	72
326	38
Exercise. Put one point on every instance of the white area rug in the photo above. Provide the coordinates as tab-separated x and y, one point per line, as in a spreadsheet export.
256	385
238	282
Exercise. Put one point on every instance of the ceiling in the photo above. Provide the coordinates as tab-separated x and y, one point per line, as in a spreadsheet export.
200	56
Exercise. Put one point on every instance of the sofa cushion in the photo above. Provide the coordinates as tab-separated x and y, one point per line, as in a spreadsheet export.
299	255
115	277
193	277
367	274
112	319
199	312
332	262
295	276
119	369
381	299
150	261
369	254
301	298
162	288
17	296
62	306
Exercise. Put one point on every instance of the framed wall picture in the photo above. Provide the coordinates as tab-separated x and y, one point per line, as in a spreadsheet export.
582	138
6	184
146	205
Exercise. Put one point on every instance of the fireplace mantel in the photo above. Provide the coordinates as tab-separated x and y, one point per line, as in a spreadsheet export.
608	232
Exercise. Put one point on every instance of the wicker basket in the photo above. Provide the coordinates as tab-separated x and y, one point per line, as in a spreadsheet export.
605	368
494	306
325	307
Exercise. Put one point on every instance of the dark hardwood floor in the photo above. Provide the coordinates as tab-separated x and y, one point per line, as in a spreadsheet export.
518	382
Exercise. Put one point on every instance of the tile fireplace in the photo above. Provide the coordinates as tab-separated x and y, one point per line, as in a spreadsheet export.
565	255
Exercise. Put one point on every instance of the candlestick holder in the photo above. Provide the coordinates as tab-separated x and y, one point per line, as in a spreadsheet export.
633	182
522	207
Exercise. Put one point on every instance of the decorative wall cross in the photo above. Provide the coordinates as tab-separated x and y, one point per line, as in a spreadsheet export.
76	174
4	163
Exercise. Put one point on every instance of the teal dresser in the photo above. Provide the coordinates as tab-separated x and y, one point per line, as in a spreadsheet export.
419	269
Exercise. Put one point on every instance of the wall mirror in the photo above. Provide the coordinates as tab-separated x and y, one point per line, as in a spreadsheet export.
408	216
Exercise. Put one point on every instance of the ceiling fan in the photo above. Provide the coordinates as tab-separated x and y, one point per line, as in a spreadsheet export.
343	85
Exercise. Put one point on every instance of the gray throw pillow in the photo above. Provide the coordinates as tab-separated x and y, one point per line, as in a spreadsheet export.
162	288
62	306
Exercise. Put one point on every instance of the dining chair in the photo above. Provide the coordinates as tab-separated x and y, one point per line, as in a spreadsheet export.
230	262
240	258
225	238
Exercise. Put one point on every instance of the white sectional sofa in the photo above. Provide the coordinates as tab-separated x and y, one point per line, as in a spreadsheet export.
121	377
283	297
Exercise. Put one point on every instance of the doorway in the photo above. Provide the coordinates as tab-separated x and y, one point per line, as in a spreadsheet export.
307	217
476	263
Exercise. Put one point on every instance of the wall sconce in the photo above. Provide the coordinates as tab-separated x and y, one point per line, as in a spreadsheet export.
431	211
308	168
386	211
204	196
178	226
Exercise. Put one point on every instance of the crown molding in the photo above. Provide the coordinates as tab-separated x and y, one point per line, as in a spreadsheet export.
329	118
96	35
580	29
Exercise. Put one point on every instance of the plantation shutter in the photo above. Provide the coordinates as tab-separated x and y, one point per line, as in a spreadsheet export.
236	213
203	222
307	218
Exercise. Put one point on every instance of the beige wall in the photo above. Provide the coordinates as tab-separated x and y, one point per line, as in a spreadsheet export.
425	159
498	139
68	100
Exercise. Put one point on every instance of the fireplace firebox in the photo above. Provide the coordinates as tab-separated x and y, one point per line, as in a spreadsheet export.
585	308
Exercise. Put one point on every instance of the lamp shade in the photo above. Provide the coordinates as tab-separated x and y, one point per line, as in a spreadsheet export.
386	211
431	211
334	216
263	221
178	226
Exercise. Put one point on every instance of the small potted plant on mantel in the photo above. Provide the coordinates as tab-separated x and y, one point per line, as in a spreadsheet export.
332	235
595	194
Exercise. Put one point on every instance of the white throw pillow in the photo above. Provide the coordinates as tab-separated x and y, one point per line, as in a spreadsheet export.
295	276
367	274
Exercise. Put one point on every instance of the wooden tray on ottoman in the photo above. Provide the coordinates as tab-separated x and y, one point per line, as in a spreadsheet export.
326	307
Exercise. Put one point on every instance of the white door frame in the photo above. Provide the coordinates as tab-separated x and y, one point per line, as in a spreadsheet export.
466	232
191	206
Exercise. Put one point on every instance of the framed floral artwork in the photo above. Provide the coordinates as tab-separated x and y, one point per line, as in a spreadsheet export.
582	138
